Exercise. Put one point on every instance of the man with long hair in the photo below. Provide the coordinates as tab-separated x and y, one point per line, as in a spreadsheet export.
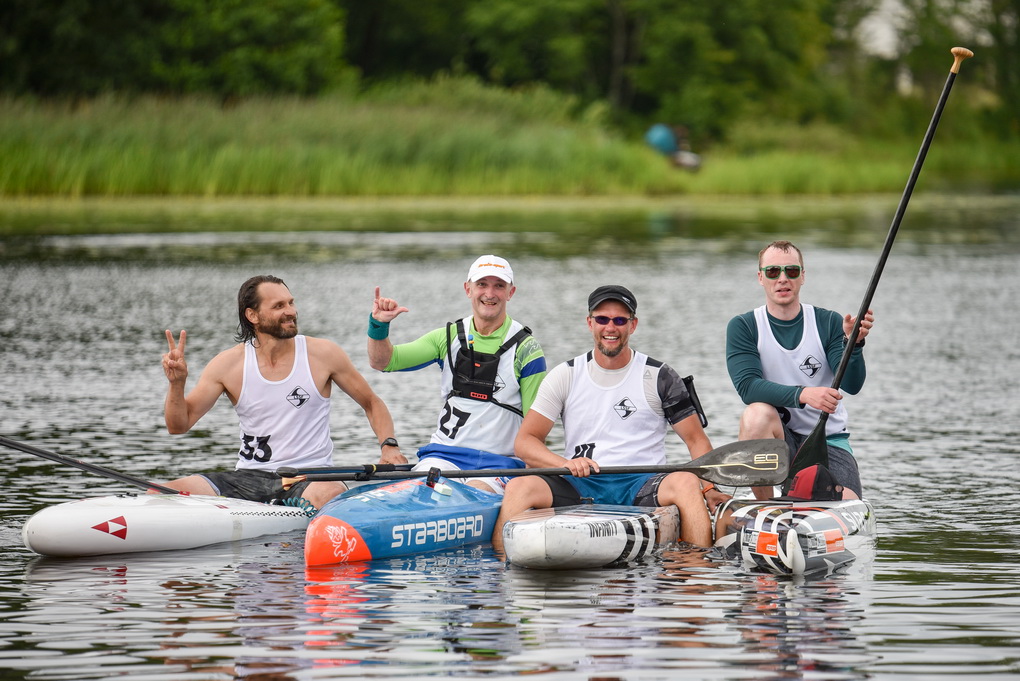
279	383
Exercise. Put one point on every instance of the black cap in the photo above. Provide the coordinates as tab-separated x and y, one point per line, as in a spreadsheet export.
612	292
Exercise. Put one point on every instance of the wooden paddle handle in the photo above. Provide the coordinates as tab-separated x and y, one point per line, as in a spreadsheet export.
959	54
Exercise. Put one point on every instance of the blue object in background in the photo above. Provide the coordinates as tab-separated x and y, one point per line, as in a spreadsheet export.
661	138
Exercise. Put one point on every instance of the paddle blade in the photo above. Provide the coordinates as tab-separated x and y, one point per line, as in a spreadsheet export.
814	449
746	463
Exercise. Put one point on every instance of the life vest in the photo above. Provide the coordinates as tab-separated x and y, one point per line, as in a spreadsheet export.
475	373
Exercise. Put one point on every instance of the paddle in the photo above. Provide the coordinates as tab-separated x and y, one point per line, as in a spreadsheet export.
90	467
814	449
745	463
145	484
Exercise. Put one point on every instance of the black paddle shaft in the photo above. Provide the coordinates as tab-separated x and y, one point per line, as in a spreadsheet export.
814	449
744	463
90	467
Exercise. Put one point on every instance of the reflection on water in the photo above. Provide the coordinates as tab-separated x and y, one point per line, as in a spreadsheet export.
935	429
273	231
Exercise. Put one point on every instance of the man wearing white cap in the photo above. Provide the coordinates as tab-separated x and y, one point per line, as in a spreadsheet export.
491	369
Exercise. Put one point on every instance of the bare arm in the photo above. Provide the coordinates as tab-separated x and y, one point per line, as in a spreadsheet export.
380	350
180	412
350	380
530	447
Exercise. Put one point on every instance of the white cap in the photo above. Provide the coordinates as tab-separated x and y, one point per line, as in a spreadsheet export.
491	266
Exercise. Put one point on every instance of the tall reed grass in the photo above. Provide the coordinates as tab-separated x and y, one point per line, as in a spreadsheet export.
450	137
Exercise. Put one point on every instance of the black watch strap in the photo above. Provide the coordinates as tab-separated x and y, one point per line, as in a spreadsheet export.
389	442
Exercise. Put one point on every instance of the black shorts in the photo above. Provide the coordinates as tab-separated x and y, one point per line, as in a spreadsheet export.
842	463
253	485
565	494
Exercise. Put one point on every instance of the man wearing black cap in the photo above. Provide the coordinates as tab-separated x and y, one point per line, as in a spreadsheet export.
615	403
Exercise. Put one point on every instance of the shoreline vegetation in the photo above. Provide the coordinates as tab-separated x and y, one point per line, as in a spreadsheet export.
454	139
871	213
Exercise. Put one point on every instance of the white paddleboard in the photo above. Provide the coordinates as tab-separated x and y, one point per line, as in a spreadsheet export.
588	536
130	523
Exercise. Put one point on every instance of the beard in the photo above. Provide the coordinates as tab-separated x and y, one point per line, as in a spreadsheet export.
610	352
276	330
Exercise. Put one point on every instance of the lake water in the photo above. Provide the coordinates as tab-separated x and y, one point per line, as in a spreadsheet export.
935	430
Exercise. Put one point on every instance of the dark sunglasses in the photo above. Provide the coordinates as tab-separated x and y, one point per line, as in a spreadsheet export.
617	321
773	271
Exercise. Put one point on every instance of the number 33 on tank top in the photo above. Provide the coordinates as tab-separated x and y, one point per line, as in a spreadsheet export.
255	447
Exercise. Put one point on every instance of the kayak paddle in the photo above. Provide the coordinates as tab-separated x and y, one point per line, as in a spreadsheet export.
90	467
145	484
745	463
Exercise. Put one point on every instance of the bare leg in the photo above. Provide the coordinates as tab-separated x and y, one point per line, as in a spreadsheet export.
193	484
522	494
683	490
760	421
319	493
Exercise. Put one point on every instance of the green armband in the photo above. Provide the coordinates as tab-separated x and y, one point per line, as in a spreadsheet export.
377	330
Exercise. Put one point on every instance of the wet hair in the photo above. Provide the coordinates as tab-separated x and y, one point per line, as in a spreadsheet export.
248	297
785	247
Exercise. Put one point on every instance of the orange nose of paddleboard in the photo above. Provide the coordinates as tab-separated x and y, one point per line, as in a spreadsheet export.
329	541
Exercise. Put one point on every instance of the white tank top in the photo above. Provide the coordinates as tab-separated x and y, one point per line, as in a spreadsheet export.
474	424
613	425
283	423
804	365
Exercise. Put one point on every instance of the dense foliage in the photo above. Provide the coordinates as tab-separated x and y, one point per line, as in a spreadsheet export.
228	48
708	65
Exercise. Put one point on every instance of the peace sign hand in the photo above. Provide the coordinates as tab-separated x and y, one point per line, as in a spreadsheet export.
385	310
174	365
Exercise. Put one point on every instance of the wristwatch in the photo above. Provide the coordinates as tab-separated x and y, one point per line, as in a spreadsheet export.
388	442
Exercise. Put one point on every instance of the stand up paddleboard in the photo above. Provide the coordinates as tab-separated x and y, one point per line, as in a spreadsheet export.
588	536
393	519
131	523
795	537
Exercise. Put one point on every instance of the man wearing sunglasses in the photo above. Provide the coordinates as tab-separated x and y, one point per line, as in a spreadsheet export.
782	358
615	404
491	368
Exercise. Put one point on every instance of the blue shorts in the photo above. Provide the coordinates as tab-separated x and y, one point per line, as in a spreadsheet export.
445	457
639	489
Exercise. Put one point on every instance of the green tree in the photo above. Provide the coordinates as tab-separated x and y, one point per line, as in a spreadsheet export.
226	47
1000	20
397	38
992	82
701	63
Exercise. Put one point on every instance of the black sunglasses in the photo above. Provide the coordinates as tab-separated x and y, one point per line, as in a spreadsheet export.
617	321
773	271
